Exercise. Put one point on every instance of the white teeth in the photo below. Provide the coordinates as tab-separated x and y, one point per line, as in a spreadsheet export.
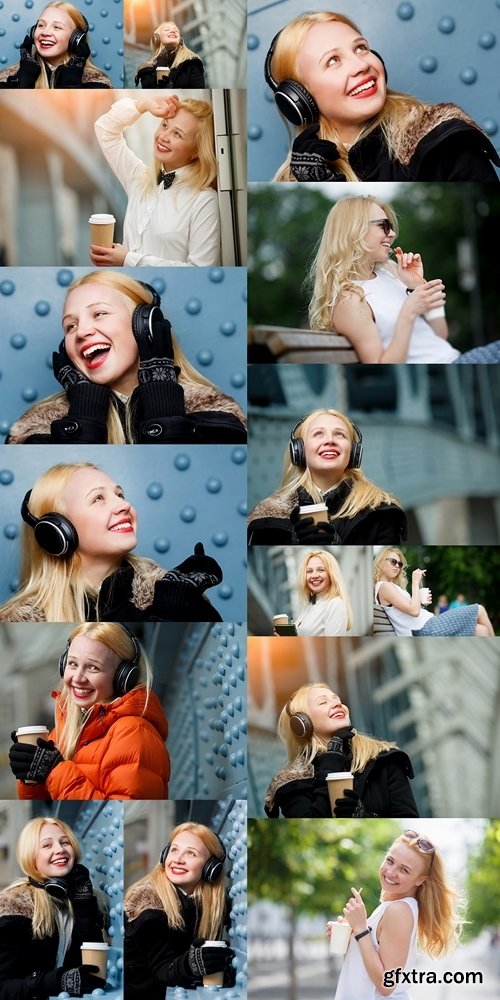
364	86
122	526
89	351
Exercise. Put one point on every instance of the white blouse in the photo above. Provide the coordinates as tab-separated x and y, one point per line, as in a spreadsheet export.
354	982
403	622
385	295
177	226
326	617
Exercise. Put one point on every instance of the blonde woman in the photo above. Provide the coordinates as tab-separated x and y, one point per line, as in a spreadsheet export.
125	378
322	466
76	562
172	216
386	309
46	915
325	608
405	610
55	54
110	728
178	66
172	911
315	728
329	83
418	905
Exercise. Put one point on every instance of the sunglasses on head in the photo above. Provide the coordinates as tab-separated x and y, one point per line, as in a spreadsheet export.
383	223
423	845
394	562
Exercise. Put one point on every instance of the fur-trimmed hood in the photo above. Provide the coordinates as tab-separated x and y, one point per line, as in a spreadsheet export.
197	399
17	902
140	898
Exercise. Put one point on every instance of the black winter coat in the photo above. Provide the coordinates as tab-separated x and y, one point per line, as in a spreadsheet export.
189	75
272	521
24	960
383	788
155	953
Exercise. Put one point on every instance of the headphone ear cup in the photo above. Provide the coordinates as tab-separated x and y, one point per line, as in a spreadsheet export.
63	659
32	33
301	725
212	869
56	535
143	317
356	455
297	452
296	103
126	677
163	855
76	37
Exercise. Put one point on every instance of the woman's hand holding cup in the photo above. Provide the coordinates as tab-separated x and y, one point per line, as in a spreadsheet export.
430	295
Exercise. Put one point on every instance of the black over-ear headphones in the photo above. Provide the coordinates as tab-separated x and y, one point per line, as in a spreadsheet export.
300	723
77	36
292	98
54	533
298	449
127	671
55	887
212	869
144	314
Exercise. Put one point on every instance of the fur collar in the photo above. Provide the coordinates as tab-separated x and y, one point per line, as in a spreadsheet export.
424	120
140	898
277	505
296	771
17	902
197	398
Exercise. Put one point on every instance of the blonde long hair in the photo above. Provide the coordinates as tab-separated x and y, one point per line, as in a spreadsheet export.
401	580
182	54
303	752
56	587
117	639
45	908
137	294
395	118
440	908
80	22
363	493
336	586
340	256
209	897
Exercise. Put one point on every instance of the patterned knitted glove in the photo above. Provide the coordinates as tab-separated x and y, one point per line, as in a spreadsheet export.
34	763
81	980
156	353
203	960
350	805
308	533
199	570
311	156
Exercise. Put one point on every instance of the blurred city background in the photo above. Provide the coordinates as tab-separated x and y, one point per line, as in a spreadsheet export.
199	677
451	225
300	876
436	697
214	29
431	436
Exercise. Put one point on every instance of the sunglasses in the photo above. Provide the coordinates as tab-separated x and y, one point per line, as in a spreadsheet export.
394	562
423	845
383	223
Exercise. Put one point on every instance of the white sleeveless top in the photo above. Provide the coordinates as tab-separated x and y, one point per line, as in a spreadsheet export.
385	295
354	982
323	618
404	624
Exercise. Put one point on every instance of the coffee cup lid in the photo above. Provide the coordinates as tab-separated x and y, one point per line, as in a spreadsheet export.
101	219
24	730
96	945
311	507
215	944
338	775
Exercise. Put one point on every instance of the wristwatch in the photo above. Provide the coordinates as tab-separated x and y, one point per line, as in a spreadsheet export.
357	937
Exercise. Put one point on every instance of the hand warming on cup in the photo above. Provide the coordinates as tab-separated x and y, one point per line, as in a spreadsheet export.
108	256
307	532
425	297
203	960
349	805
33	763
77	982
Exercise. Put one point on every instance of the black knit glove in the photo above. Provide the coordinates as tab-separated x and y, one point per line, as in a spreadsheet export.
341	741
203	961
81	980
69	74
199	570
311	157
86	398
156	353
79	882
350	805
29	69
307	532
30	763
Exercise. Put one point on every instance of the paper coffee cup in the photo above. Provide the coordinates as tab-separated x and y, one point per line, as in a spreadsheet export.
318	512
30	734
96	953
102	228
425	595
162	72
215	978
280	619
340	937
336	782
437	313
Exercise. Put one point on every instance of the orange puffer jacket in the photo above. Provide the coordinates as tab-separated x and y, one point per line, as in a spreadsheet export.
121	754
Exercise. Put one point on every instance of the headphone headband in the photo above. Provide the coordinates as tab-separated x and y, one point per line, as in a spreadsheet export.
298	450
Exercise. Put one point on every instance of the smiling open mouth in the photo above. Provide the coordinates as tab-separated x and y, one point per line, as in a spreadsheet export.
95	355
365	89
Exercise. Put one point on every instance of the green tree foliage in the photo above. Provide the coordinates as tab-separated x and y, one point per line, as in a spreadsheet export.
285	222
311	865
471	571
483	882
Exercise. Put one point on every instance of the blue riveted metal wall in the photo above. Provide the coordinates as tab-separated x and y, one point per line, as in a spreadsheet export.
206	306
105	37
206	689
99	829
182	495
436	51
